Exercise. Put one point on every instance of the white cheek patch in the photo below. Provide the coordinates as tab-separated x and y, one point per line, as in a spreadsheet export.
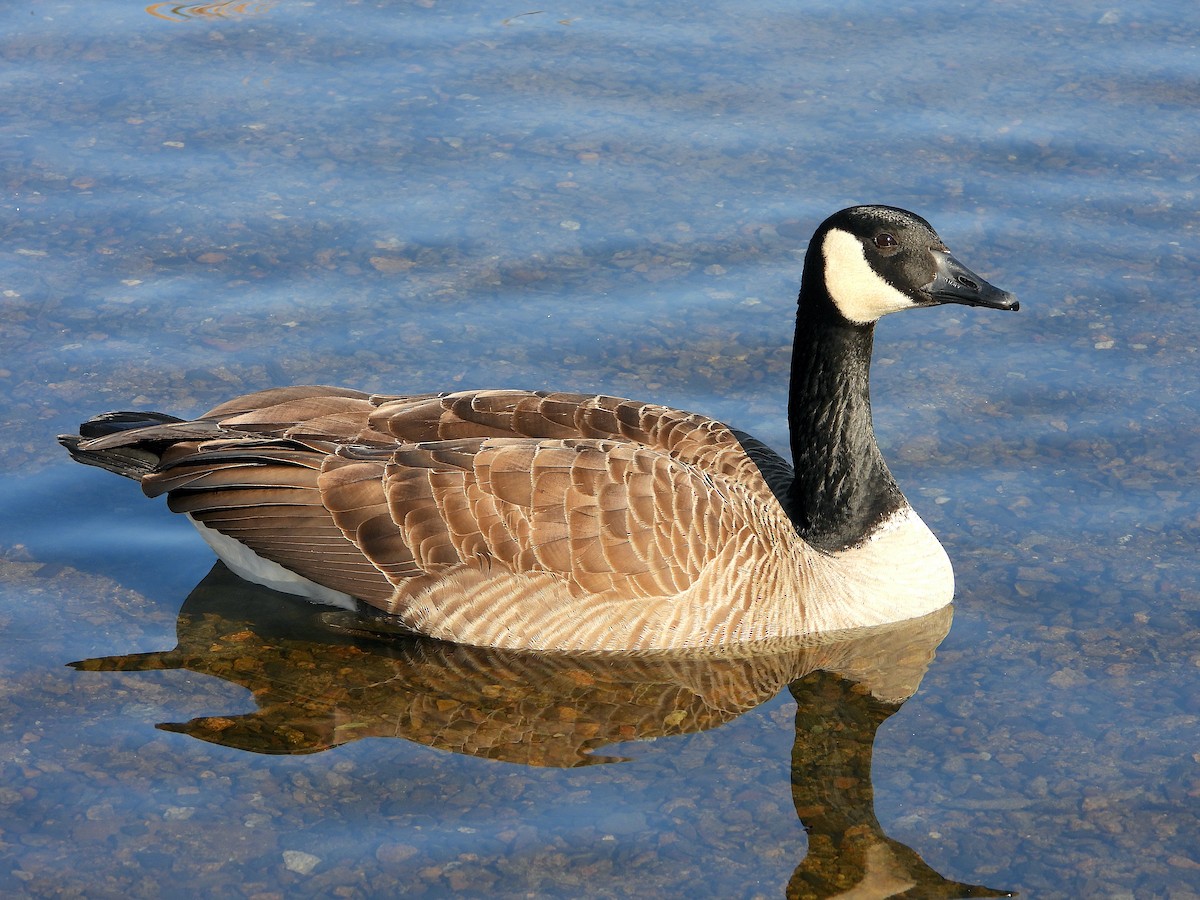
857	290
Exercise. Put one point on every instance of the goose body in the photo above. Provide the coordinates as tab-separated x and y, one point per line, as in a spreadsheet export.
543	520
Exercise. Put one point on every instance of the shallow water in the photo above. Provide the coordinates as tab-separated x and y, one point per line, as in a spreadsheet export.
205	200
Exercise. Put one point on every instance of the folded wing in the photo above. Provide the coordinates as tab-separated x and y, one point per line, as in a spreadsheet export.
381	496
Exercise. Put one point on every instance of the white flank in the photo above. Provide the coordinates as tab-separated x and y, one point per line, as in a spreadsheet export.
247	564
857	290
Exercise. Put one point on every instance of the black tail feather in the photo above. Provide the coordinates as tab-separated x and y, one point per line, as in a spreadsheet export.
112	422
128	461
132	461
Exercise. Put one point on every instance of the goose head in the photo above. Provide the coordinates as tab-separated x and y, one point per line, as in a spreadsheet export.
863	263
874	260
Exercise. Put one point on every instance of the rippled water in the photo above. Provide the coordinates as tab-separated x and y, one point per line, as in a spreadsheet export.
205	199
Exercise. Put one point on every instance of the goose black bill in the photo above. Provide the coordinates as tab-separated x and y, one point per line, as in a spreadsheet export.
955	283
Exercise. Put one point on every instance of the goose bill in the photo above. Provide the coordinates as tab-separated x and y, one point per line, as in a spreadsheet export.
955	283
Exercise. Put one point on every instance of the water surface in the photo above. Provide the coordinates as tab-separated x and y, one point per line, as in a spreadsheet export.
206	200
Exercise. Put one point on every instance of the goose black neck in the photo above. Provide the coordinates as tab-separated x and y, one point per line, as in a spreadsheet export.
842	488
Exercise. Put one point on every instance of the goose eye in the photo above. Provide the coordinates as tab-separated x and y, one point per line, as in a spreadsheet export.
885	241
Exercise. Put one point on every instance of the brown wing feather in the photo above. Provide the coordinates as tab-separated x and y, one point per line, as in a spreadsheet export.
353	492
598	515
268	497
276	396
328	419
375	495
335	415
696	440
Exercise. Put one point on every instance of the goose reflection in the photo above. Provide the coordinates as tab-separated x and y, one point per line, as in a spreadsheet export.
217	9
324	679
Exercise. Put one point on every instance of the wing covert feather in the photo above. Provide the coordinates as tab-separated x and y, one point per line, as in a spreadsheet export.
700	442
582	498
597	514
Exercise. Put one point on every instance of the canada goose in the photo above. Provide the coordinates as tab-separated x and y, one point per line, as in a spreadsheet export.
560	521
